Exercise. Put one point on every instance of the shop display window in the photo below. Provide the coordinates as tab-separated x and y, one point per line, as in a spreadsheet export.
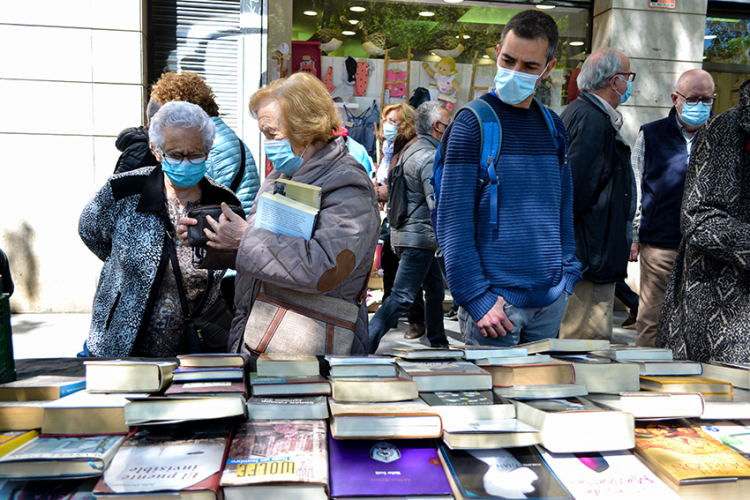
450	47
726	55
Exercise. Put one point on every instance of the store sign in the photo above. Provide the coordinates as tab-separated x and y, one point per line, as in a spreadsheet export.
662	4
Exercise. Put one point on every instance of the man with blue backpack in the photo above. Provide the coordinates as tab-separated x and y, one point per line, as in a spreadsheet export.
504	199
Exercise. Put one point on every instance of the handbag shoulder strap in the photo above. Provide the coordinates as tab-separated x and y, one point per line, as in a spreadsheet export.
241	172
181	291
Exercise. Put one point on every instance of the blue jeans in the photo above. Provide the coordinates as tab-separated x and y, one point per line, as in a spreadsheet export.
417	267
529	325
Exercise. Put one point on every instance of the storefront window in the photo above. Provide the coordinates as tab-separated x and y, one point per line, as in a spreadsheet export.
451	47
727	57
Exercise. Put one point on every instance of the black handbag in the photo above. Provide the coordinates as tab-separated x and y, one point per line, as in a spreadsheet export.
205	331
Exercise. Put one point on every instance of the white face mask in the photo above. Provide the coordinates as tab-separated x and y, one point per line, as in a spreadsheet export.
513	87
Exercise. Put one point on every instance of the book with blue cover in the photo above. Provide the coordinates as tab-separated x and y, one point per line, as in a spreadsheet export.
365	468
42	387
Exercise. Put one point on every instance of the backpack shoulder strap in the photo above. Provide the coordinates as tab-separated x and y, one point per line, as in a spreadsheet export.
491	138
241	172
556	135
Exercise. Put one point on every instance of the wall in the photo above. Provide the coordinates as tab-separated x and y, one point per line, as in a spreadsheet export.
72	79
661	44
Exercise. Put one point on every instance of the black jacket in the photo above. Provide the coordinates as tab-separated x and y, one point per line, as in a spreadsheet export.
602	190
133	142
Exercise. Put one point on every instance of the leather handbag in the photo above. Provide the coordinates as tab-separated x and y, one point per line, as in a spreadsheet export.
288	321
196	236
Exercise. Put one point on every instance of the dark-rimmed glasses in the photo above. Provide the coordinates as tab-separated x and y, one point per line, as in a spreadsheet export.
177	158
695	100
629	77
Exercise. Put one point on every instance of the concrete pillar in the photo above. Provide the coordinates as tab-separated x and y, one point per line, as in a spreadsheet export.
72	79
661	44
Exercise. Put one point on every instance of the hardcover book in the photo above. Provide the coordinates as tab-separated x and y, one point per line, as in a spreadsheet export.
128	376
161	410
84	412
396	468
362	366
427	353
651	405
735	373
447	375
474	352
602	375
277	453
501	473
489	434
282	215
298	191
42	387
532	359
685	384
576	425
560	372
215	360
287	365
672	368
289	386
565	345
549	391
270	408
210	387
49	457
21	415
403	420
192	374
610	475
167	459
467	406
373	390
629	352
726	406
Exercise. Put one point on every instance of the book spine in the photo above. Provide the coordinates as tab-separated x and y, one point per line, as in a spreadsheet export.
19	441
68	389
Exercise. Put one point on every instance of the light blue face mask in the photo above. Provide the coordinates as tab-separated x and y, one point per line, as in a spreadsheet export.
513	87
184	174
624	97
279	151
390	131
696	114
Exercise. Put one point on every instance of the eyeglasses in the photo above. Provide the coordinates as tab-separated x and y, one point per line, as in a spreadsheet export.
177	158
443	124
628	77
695	100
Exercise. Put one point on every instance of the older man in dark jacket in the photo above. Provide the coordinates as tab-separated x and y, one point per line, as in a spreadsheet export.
603	188
414	240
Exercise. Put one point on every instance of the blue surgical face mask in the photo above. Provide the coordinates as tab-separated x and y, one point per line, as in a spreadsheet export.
390	131
184	174
279	151
513	87
696	114
624	97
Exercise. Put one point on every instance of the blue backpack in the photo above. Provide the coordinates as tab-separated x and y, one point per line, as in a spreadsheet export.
490	140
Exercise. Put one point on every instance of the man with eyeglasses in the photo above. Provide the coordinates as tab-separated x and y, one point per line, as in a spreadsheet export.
603	192
660	159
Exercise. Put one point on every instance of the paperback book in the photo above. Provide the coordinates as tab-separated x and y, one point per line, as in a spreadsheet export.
501	473
395	468
301	408
42	387
289	386
444	375
282	215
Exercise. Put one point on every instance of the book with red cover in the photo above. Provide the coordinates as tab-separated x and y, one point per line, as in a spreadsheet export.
168	459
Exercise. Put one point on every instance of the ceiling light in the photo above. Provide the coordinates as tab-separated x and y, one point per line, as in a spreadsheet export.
353	21
427	13
348	33
356	8
453	1
545	7
576	43
709	37
310	13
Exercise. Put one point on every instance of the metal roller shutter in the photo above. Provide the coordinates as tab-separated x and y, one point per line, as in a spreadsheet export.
200	36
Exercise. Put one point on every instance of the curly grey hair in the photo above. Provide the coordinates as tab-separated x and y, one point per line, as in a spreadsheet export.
427	113
598	68
181	114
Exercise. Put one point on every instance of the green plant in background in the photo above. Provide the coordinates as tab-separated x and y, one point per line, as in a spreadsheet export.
731	43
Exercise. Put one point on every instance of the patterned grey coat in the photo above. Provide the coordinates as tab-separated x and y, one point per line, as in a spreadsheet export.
706	311
123	225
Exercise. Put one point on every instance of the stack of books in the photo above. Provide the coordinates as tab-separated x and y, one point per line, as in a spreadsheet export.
429	424
288	387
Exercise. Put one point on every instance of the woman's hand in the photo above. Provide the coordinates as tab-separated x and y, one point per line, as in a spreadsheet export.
182	229
227	231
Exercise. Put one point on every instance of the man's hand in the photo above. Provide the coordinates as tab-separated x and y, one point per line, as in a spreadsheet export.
635	249
495	323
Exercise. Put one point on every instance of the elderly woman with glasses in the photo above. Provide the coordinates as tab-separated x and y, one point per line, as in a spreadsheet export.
130	225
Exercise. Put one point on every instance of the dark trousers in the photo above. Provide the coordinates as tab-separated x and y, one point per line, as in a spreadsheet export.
389	262
627	296
418	266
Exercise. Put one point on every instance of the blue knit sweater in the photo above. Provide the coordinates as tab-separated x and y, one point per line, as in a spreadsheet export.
530	258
